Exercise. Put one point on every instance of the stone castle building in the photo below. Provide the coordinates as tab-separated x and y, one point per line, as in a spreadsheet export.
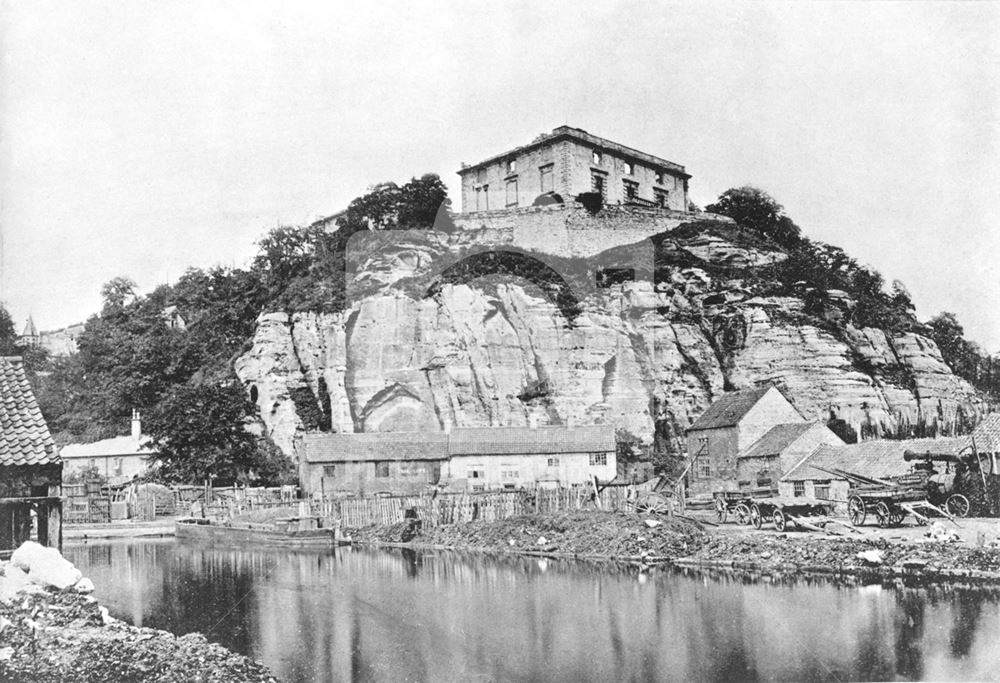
560	165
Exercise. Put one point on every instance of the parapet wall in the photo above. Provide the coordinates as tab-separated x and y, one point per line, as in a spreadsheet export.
571	230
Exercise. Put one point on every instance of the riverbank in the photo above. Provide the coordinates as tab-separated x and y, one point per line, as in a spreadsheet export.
687	542
160	527
53	630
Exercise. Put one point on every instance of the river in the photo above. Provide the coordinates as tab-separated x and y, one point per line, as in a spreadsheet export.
378	615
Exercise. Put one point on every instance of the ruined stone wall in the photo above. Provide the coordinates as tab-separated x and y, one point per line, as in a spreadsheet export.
570	230
580	165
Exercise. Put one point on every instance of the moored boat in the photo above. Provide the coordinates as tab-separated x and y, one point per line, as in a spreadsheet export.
294	533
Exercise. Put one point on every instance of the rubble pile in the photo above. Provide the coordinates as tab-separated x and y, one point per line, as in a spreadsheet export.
577	533
51	629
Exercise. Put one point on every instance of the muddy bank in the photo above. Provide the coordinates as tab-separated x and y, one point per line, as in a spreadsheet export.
58	632
685	542
584	534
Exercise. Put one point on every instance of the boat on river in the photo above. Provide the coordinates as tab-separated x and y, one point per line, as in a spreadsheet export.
291	532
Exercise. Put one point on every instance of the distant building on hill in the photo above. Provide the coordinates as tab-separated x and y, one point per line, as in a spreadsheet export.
560	165
29	336
473	459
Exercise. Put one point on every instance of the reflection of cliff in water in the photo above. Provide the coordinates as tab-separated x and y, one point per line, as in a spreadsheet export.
369	615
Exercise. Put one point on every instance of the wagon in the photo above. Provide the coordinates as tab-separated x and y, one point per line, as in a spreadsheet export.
782	511
891	505
732	503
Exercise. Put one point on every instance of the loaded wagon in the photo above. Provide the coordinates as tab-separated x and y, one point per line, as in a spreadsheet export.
785	511
889	502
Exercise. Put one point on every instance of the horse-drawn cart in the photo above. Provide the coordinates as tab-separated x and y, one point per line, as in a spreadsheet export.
891	501
732	503
784	511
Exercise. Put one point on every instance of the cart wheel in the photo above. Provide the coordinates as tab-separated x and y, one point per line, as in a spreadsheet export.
755	518
779	520
883	515
720	510
856	510
957	504
897	518
742	514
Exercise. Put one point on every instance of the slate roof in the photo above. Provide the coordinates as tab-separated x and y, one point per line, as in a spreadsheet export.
777	439
987	435
373	446
117	446
24	436
729	409
524	440
875	459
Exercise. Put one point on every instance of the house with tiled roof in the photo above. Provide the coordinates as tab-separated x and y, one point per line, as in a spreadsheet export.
815	475
474	459
118	459
30	467
743	438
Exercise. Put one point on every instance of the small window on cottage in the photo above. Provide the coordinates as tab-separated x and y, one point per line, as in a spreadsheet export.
799	488
631	189
509	474
512	193
704	467
629	168
553	462
512	166
596	157
382	470
545	178
477	472
822	490
408	469
118	466
597	459
329	470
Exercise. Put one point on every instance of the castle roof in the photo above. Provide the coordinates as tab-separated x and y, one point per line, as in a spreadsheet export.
29	328
24	436
580	135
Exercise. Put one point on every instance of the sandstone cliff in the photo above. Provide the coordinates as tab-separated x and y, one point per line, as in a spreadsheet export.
427	343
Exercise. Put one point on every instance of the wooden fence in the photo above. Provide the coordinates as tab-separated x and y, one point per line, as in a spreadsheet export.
457	508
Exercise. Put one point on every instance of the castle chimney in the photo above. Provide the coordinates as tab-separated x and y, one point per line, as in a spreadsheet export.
136	425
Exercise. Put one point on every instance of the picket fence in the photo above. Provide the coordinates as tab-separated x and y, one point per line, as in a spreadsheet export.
458	508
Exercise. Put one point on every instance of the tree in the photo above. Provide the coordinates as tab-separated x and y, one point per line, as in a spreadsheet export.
200	433
116	293
8	333
420	204
756	210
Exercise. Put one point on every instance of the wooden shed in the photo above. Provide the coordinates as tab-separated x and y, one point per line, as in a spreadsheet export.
30	468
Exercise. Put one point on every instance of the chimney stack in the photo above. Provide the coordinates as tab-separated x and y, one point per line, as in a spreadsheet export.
136	425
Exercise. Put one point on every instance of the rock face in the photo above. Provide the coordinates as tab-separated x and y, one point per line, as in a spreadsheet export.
496	351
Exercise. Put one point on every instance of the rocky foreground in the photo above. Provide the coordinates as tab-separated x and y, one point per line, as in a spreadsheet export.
685	541
51	629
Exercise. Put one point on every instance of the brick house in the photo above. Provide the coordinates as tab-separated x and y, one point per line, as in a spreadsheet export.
567	162
30	468
745	435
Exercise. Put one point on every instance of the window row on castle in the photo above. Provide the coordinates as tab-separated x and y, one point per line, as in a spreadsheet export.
630	189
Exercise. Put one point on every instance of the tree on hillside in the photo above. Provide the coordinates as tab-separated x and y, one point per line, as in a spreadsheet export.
116	293
200	433
414	206
756	210
8	333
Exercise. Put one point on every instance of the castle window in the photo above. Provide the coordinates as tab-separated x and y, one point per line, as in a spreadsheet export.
598	183
512	192
659	177
629	168
483	198
661	197
631	189
545	177
596	157
512	166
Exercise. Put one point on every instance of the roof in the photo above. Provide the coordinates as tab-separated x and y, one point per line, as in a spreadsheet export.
987	435
24	436
580	135
777	439
373	446
874	459
528	441
728	410
117	446
29	328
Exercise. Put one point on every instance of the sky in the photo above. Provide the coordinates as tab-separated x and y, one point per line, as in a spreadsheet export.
142	138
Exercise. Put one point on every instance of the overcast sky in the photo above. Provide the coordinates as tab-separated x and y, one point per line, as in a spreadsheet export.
141	138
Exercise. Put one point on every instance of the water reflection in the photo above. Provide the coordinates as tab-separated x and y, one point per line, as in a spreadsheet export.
362	615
